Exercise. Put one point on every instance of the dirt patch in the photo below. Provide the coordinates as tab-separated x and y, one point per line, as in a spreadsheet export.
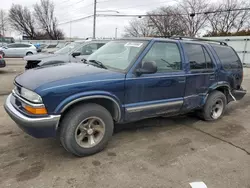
183	141
15	134
22	155
11	164
230	130
111	154
96	163
6	133
32	172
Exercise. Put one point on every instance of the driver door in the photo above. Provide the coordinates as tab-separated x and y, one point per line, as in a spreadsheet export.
148	95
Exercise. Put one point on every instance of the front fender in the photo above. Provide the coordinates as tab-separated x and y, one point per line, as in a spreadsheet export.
88	95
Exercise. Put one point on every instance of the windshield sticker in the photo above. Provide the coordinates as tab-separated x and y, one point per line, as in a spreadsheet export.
134	44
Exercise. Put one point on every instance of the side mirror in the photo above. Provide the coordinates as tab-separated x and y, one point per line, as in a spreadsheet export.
74	54
147	68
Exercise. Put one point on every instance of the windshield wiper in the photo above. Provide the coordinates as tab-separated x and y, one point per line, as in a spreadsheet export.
100	64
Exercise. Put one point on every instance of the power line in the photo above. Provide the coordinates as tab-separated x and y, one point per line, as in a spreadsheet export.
75	20
125	7
147	4
144	15
79	8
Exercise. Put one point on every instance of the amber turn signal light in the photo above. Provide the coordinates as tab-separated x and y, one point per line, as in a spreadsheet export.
36	110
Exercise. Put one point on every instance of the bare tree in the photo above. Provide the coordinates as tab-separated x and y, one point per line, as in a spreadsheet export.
167	21
3	22
192	18
20	19
226	19
139	28
44	13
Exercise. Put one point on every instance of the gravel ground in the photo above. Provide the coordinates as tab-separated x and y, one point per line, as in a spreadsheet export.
158	152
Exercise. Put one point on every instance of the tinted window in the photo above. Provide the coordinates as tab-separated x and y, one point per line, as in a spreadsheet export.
166	55
228	57
198	57
11	45
22	45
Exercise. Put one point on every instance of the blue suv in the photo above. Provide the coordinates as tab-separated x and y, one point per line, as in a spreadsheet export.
125	80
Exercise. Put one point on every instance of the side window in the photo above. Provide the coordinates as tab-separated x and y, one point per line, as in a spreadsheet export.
198	57
228	57
11	45
25	46
88	49
166	55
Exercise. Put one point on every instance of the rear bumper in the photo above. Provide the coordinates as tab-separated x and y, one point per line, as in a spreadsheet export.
2	63
239	94
36	127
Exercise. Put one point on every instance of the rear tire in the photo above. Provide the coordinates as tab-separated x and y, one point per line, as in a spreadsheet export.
86	129
214	107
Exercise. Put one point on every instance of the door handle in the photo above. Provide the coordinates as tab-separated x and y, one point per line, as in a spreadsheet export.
181	79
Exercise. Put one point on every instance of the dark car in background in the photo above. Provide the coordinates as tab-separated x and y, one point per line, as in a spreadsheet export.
73	52
2	61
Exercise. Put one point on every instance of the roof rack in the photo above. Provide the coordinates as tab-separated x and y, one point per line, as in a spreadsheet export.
198	39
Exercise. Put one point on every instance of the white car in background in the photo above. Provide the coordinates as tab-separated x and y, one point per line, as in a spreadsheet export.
18	50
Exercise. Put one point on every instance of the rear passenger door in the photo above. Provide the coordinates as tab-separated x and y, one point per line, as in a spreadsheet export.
22	49
201	74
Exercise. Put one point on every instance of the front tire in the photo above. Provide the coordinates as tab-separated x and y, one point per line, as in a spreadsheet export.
86	129
214	107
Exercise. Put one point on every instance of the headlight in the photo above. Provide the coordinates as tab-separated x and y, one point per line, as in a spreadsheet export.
30	95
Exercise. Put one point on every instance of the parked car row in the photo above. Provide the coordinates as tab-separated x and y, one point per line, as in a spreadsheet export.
18	50
122	81
73	52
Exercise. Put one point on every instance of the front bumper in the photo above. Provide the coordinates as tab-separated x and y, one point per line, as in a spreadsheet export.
37	127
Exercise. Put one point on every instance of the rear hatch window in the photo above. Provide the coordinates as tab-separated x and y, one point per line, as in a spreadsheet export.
228	57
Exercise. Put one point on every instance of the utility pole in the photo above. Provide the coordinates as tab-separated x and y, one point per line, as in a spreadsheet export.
94	19
116	32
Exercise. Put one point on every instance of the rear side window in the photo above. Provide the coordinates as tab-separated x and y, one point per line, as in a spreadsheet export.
228	57
198	57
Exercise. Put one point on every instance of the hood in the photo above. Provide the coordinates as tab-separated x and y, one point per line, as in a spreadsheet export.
65	73
41	56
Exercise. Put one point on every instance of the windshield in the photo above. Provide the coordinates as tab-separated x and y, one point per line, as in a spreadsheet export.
69	48
118	54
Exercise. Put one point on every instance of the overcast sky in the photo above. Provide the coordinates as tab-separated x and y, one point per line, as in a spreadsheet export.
67	10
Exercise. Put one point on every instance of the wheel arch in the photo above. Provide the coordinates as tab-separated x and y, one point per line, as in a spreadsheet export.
223	87
29	52
111	104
